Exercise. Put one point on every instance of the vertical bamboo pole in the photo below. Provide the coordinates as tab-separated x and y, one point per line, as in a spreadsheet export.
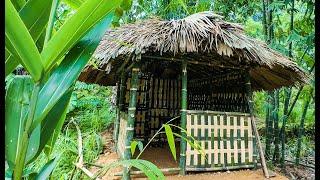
117	119
131	117
253	123
120	95
182	163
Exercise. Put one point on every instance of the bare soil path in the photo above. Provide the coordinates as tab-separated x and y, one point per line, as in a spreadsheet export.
162	157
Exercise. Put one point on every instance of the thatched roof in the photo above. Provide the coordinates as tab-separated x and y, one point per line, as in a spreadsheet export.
211	45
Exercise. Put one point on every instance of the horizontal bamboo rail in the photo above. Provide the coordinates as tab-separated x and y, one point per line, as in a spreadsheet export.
218	112
194	62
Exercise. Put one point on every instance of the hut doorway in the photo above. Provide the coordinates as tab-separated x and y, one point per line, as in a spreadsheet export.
217	116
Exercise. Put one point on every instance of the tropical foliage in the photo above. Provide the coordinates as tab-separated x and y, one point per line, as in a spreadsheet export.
53	41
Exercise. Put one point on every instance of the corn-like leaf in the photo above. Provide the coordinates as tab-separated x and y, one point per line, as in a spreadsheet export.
170	139
47	169
72	30
52	124
17	105
18	4
75	4
64	76
22	42
35	16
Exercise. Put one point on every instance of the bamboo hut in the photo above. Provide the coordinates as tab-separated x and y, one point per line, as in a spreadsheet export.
201	69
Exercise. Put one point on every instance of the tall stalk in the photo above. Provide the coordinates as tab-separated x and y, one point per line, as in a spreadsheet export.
276	153
20	161
301	127
264	20
287	92
269	133
270	110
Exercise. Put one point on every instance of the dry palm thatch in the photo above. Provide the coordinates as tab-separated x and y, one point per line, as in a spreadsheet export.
204	39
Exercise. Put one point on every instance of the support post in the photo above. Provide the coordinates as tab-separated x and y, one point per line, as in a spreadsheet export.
184	101
120	94
131	117
253	123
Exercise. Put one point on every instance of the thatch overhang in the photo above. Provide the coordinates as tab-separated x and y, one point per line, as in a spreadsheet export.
211	46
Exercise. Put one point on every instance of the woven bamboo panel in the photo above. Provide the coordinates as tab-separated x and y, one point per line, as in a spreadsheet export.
122	134
226	140
225	93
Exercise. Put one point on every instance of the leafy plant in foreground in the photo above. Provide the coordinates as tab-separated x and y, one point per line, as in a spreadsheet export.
37	112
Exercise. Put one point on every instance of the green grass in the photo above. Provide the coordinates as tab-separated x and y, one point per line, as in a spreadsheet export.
91	108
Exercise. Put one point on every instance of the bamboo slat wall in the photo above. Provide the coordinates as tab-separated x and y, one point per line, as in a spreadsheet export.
158	100
226	93
226	139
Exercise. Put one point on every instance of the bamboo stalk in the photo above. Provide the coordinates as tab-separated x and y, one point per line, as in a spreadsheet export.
301	127
253	124
182	163
131	117
276	127
119	108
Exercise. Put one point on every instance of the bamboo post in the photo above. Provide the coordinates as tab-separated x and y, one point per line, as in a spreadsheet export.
120	94
117	119
131	117
182	163
253	123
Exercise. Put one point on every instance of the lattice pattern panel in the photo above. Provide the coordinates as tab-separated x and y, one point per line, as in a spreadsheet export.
122	134
158	100
225	93
226	139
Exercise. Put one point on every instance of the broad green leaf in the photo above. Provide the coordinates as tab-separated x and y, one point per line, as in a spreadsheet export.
64	76
35	16
126	4
11	63
18	4
52	124
72	30
170	139
17	105
149	169
75	4
47	169
20	39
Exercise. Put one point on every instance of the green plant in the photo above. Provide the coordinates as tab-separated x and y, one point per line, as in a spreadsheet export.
43	96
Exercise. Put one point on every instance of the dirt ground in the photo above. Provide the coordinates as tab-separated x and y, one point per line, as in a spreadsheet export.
161	157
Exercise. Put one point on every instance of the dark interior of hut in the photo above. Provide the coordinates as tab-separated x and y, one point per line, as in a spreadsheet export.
159	99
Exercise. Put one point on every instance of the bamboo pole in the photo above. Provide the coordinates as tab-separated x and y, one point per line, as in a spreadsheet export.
120	94
253	124
131	117
211	64
184	101
301	127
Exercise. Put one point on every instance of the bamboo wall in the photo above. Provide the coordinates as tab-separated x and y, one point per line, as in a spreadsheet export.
158	100
226	140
